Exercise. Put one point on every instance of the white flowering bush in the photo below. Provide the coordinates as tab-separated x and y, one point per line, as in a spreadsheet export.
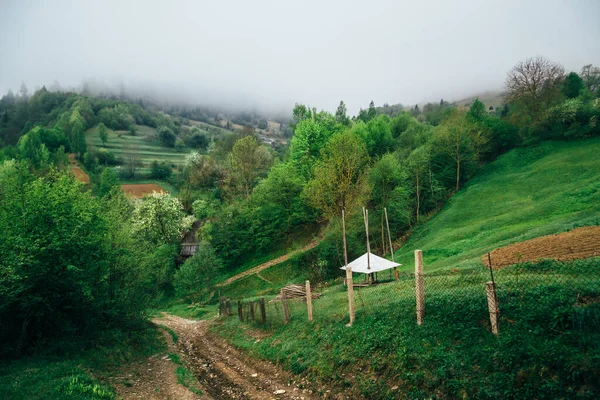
159	218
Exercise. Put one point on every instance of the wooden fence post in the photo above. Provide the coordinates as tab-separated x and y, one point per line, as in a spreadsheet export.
263	311
490	288
419	285
240	311
252	311
309	301
286	311
228	307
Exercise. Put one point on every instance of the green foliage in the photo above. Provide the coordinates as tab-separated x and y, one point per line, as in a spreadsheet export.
247	162
108	181
160	170
159	218
310	136
340	180
166	136
52	239
572	85
103	133
193	277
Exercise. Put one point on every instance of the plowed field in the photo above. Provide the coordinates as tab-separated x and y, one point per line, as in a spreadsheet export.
141	189
78	172
578	243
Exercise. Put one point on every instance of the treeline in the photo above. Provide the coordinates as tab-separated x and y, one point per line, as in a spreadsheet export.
410	163
74	261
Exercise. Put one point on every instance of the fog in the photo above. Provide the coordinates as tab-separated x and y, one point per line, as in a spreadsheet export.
270	54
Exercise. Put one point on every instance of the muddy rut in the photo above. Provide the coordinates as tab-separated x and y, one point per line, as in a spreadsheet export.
223	372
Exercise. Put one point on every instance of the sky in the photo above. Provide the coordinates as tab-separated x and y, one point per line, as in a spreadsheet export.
269	55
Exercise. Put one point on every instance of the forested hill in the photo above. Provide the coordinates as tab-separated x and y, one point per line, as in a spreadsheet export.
94	258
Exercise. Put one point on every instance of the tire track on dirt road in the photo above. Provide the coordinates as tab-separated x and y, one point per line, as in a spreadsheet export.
224	372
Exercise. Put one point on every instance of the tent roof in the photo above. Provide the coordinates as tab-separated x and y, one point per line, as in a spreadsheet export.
377	263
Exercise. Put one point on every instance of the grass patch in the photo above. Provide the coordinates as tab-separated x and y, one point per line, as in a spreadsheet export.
184	376
171	332
73	370
548	347
530	192
148	150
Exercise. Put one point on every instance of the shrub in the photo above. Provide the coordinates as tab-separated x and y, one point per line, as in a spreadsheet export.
193	277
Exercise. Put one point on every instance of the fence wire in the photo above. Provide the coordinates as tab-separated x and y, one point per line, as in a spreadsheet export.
557	295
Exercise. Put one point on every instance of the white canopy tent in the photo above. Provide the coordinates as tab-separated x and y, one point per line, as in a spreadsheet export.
361	264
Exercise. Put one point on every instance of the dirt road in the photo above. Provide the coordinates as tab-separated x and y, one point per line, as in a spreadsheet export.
268	264
222	371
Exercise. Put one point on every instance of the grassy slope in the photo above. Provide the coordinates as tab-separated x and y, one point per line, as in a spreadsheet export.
548	345
526	193
148	151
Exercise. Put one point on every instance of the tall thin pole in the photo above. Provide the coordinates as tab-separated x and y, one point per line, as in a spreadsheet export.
349	282
366	218
387	222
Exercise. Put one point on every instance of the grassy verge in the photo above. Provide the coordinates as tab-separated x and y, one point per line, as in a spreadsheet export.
69	373
184	376
526	193
548	346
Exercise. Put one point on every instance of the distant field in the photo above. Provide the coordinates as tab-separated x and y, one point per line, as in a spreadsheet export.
122	143
526	193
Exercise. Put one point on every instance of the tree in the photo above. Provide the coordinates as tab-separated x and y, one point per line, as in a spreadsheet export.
131	158
340	180
282	189
23	91
477	111
385	175
372	113
310	136
108	181
460	141
166	136
158	218
196	273
247	162
341	114
534	83
572	85
103	133
591	78
418	165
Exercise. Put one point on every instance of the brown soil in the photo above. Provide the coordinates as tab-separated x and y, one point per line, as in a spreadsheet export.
139	190
78	172
578	243
222	371
266	265
153	379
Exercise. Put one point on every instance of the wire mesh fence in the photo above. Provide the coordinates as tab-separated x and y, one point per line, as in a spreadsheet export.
557	295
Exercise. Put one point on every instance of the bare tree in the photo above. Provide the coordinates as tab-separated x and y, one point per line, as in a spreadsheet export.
534	83
131	156
591	77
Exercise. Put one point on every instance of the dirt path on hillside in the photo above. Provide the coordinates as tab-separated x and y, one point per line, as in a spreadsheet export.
268	264
225	373
579	243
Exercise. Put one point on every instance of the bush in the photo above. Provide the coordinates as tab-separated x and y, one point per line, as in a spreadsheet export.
166	136
193	277
160	170
106	157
